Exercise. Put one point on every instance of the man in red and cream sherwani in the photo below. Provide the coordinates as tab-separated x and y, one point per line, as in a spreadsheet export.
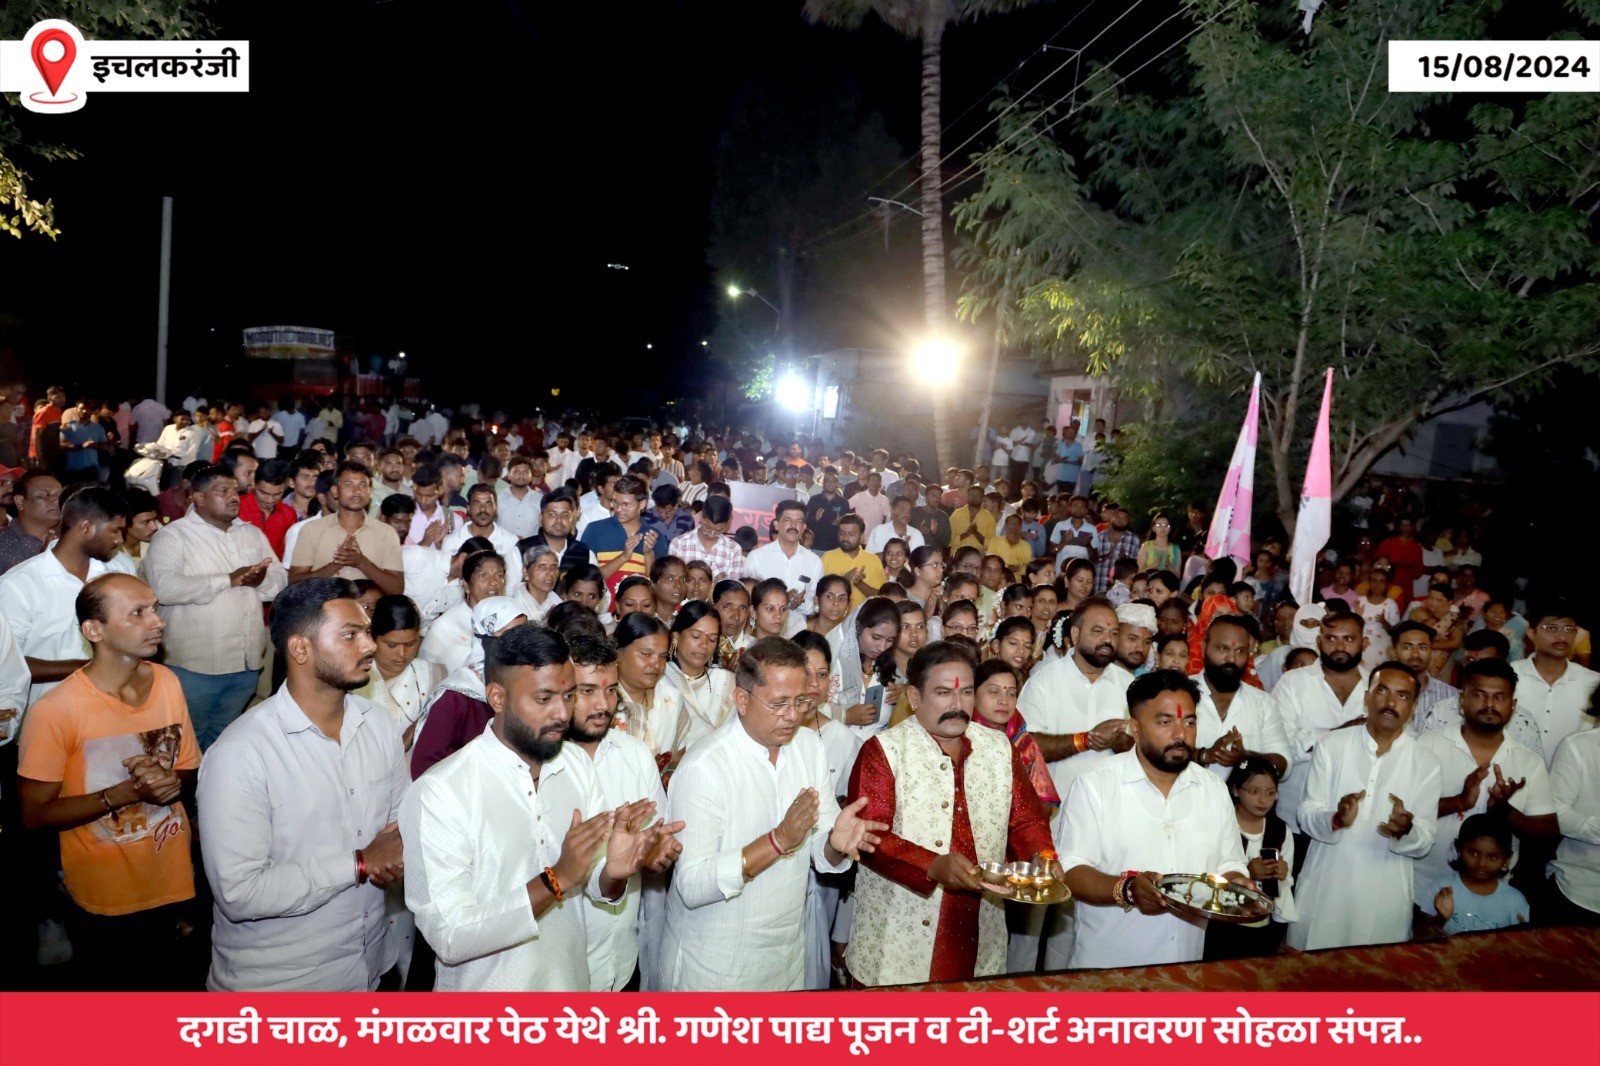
953	798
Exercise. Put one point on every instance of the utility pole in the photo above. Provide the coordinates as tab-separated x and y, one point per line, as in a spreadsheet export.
165	299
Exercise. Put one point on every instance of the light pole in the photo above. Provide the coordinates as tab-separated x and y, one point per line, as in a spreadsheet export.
734	292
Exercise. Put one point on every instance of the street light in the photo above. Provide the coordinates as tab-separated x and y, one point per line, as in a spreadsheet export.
734	292
793	392
936	360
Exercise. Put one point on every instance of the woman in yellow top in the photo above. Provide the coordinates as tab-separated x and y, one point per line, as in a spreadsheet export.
1158	552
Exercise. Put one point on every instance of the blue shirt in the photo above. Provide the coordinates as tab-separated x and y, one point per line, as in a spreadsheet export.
1039	540
1475	913
78	457
1069	458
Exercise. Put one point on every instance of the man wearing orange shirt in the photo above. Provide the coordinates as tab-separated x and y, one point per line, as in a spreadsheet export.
105	756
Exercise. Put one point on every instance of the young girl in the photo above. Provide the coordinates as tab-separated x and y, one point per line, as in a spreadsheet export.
1269	848
1013	644
769	607
1475	898
892	664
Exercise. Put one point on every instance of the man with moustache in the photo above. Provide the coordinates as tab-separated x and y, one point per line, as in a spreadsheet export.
1136	628
952	797
509	833
1497	774
1235	721
297	805
627	773
1371	806
1150	811
1318	699
760	809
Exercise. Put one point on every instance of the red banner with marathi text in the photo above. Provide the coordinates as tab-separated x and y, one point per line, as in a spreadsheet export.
307	1029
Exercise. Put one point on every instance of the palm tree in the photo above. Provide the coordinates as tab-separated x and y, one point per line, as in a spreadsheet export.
926	21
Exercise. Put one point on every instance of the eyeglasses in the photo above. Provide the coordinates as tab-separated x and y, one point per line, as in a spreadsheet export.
803	704
1563	630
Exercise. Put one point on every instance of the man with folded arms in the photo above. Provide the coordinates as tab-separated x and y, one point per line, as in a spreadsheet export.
953	797
511	832
1140	815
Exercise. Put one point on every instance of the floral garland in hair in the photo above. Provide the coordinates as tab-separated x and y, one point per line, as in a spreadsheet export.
1058	633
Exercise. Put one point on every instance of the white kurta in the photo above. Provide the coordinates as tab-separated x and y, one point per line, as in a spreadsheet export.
1356	885
1058	698
1516	762
477	830
1575	787
626	770
504	541
1253	713
1558	710
1309	709
1115	819
823	891
723	934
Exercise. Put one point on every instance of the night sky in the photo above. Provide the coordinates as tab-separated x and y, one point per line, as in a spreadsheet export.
466	221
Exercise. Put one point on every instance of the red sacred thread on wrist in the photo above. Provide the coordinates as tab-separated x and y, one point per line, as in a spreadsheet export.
361	869
772	838
553	884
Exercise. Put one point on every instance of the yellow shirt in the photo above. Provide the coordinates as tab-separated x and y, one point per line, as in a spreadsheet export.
976	532
837	562
1017	556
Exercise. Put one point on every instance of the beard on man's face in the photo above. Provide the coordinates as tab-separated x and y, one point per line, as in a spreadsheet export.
1224	677
540	745
1099	656
1340	662
1170	759
584	731
328	673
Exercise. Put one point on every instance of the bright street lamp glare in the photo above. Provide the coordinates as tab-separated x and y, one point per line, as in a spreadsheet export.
937	360
793	393
733	290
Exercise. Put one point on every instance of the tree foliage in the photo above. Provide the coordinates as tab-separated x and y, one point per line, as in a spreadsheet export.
20	210
1280	211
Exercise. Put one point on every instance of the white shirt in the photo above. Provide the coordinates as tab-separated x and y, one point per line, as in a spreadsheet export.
1355	887
520	517
149	416
504	542
286	809
535	611
291	423
1516	762
478	829
723	934
180	444
1558	710
13	682
38	597
213	626
1115	819
627	773
427	572
802	571
1575	788
1058	698
450	637
267	434
1253	713
882	535
1309	710
1022	442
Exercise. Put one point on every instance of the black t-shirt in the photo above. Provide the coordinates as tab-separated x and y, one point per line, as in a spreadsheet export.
934	525
822	518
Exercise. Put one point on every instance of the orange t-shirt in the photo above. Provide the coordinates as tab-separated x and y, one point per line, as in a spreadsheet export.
137	857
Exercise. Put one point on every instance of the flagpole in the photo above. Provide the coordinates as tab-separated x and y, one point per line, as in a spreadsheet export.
1315	524
1230	522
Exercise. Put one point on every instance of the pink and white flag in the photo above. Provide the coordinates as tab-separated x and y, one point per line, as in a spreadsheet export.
1230	523
1313	527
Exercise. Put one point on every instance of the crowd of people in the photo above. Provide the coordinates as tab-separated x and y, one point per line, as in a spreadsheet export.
362	698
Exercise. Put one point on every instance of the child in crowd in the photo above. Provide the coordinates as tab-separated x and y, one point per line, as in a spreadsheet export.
1269	849
1475	896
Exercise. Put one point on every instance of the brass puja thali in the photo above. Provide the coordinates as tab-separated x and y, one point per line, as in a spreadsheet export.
1029	883
1214	897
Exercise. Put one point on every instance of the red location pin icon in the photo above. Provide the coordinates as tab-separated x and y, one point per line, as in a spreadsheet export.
54	71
